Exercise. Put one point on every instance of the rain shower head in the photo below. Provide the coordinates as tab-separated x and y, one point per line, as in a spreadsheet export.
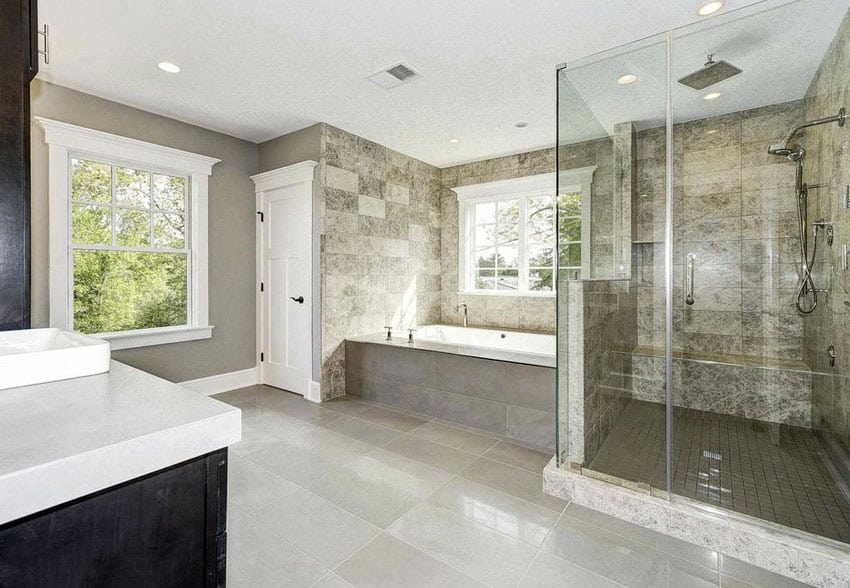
713	72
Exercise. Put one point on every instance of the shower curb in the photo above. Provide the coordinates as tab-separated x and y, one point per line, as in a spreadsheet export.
795	554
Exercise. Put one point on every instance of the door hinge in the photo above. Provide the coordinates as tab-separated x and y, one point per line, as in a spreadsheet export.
262	287
262	356
262	216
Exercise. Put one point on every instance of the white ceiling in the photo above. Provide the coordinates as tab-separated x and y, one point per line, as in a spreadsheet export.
778	49
257	69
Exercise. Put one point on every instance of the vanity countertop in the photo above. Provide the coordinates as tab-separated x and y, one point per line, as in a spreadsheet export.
63	440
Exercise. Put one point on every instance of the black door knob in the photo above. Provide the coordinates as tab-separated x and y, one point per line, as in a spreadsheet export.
299	300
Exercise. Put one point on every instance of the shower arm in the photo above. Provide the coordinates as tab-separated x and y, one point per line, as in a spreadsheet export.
839	118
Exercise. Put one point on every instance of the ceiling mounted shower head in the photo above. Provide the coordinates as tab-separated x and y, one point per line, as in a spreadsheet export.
713	72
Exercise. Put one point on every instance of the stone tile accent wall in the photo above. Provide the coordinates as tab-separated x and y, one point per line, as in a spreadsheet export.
598	328
771	394
532	313
828	162
505	398
380	244
735	210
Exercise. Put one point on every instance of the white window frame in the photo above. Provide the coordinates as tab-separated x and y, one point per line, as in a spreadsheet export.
66	141
521	189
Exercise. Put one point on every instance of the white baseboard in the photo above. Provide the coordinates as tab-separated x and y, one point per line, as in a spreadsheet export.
314	392
222	382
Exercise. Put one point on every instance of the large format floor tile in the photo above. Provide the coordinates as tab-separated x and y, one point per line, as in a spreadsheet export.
514	481
312	486
518	519
258	558
476	550
388	562
327	532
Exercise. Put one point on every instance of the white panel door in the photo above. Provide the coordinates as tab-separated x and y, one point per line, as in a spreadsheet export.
286	278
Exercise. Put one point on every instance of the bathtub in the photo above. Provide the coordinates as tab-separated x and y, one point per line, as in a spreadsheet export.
499	381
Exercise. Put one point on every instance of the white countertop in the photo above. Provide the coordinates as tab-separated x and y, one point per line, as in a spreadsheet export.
63	440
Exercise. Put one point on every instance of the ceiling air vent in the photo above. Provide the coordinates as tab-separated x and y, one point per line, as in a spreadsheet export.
393	76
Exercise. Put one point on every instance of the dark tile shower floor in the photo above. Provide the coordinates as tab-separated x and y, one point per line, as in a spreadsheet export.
773	472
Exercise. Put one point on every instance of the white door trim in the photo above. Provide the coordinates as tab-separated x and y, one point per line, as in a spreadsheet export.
300	175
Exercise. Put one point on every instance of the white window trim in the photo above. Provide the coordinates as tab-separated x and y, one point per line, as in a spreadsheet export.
65	141
541	184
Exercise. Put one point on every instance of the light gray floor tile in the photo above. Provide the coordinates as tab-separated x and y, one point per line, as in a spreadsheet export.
749	574
388	562
379	487
479	552
550	571
327	532
510	516
332	581
514	481
433	454
258	558
455	437
347	405
621	559
364	431
242	397
294	464
391	418
249	486
670	545
252	442
519	456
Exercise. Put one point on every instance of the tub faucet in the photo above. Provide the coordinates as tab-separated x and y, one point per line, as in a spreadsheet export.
465	308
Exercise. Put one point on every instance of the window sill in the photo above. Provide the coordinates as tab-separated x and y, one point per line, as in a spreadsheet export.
508	293
150	337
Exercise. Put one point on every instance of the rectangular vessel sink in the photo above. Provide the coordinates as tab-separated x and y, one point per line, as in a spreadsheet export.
34	356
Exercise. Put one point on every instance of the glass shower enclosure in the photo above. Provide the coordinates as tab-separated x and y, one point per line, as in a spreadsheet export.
703	287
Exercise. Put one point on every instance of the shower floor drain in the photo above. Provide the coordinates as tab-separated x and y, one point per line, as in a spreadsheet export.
712	455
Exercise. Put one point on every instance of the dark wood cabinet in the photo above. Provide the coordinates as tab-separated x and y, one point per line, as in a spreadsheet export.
18	65
165	529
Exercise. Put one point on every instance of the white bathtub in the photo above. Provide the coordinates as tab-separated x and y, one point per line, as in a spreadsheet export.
513	346
489	338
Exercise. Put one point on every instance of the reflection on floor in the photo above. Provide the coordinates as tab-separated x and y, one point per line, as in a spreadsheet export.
350	493
770	471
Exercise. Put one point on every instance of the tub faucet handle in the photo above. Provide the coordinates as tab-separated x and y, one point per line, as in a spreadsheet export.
410	335
389	333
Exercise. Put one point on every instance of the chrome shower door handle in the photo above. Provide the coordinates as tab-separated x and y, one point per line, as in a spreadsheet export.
689	280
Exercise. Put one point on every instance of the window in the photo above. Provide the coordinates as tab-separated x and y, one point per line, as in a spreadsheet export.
128	247
508	233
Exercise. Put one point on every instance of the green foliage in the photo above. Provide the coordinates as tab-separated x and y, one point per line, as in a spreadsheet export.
128	290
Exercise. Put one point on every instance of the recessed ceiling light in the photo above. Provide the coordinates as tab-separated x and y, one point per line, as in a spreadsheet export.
627	79
709	8
521	124
168	67
454	140
712	95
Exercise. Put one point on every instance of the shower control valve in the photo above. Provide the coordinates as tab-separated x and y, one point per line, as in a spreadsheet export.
830	352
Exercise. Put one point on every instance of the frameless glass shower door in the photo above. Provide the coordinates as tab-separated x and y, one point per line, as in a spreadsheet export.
704	281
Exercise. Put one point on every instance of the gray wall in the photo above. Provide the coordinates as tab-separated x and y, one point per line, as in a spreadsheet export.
293	147
231	229
289	149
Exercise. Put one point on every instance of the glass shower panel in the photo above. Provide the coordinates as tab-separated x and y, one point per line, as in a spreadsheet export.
611	156
760	298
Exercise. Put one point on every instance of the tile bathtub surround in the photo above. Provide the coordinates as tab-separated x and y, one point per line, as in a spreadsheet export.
827	162
486	523
380	244
733	538
509	399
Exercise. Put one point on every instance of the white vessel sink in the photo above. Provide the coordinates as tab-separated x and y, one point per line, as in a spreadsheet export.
34	356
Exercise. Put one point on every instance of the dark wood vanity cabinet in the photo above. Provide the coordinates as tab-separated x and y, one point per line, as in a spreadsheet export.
18	65
162	530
